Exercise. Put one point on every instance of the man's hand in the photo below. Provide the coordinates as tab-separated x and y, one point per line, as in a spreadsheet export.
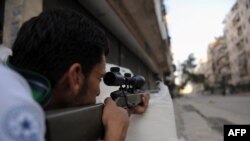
140	109
115	120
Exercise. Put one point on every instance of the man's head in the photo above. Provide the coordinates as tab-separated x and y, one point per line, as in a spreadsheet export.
68	49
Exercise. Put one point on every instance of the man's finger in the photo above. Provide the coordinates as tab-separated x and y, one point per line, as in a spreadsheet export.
108	100
145	100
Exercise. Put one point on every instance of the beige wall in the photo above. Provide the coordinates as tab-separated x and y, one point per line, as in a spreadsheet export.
17	12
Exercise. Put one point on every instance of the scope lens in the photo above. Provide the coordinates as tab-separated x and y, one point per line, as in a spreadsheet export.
109	79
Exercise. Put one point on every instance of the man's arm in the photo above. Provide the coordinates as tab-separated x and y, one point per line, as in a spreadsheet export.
115	120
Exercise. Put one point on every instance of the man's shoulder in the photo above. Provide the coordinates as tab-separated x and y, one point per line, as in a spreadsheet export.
13	83
21	117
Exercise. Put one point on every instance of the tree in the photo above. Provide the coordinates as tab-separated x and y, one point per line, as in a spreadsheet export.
187	72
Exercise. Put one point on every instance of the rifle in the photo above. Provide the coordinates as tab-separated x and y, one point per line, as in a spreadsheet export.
85	123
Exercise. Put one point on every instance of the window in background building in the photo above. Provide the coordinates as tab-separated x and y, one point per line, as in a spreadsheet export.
235	7
248	53
242	63
222	49
240	44
239	31
236	19
232	38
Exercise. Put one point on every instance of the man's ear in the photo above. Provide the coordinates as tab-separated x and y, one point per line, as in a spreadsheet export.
76	78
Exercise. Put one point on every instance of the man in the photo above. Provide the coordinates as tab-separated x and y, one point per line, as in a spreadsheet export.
21	117
70	51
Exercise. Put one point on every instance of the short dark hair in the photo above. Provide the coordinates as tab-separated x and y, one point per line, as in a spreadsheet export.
51	42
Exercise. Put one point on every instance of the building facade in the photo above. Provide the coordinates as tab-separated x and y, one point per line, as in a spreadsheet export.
137	30
201	69
228	64
237	33
219	57
218	72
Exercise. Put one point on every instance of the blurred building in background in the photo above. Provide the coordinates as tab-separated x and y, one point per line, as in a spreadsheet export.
228	64
137	30
201	69
208	72
218	71
237	33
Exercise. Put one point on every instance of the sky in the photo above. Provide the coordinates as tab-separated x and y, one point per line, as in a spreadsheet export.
193	24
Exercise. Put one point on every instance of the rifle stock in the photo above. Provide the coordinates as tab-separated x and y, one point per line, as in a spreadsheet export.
82	123
75	124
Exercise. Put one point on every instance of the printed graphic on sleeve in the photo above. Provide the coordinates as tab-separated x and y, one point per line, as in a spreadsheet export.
23	124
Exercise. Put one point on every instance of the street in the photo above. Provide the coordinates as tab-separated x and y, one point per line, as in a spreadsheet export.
201	118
